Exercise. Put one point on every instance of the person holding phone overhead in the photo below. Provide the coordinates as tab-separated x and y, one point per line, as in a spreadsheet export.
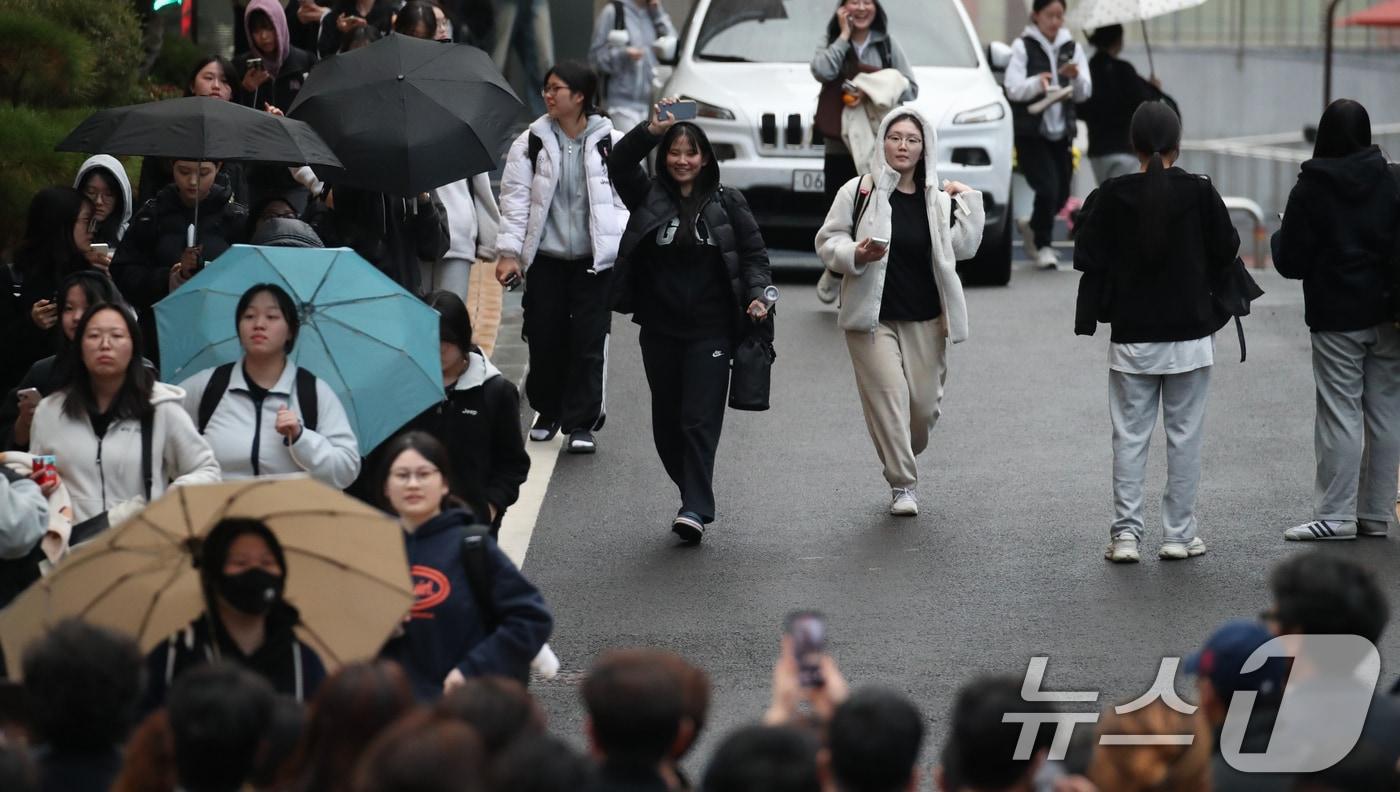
1043	60
162	248
857	40
692	268
897	238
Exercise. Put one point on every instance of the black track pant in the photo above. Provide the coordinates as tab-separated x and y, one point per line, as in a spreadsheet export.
567	319
1048	168
689	391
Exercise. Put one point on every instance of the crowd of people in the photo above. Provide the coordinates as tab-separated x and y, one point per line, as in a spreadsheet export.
236	699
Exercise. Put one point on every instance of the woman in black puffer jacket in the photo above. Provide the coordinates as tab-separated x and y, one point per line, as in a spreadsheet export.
691	269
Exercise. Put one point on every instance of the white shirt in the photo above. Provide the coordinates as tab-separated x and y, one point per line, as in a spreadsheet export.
1162	357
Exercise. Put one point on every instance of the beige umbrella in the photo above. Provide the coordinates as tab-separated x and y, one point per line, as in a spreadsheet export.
347	572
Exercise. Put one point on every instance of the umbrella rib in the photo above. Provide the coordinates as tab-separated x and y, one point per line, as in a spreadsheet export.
325	278
325	645
155	601
113	586
342	566
357	331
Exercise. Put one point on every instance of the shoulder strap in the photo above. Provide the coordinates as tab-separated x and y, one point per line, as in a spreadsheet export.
307	399
863	189
148	423
213	394
886	54
605	151
619	20
478	571
532	149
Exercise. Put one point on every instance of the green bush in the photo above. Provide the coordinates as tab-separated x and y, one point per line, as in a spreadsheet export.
43	63
178	55
112	28
27	138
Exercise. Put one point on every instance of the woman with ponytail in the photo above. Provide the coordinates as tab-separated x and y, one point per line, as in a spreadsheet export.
1339	238
1153	247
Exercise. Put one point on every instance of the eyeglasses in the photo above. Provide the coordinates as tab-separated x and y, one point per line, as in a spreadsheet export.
552	89
911	140
99	196
422	474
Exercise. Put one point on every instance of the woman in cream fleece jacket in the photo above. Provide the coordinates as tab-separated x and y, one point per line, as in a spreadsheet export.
901	301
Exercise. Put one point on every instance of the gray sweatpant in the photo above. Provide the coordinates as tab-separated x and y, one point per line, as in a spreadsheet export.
900	371
1132	407
1356	435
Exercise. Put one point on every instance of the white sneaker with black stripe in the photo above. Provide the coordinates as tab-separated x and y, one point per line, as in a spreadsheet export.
1321	531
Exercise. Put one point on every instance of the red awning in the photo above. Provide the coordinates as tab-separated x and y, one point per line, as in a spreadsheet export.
1386	14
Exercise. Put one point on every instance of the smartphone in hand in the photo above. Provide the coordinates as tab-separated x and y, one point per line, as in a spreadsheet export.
29	396
682	111
806	632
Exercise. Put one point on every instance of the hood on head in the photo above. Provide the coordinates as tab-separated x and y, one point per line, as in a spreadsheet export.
117	173
286	232
885	171
708	178
278	14
1353	177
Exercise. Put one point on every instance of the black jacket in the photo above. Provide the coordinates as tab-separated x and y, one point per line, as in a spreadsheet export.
654	202
479	422
1258	730
380	16
446	630
613	777
1170	302
46	376
386	231
156	239
1118	90
1338	236
281	90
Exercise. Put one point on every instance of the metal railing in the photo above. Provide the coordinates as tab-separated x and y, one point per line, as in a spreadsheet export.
1265	23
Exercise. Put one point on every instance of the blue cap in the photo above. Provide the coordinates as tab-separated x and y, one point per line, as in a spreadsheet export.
1225	653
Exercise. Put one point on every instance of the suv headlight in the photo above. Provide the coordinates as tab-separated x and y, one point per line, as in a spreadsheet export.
707	110
981	115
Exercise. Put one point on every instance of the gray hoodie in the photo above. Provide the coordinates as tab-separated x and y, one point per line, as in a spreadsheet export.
566	230
24	515
629	81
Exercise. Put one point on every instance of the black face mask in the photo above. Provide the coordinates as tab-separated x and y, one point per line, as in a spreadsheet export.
252	592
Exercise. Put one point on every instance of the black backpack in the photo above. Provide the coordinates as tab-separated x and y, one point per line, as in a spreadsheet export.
534	145
307	399
478	572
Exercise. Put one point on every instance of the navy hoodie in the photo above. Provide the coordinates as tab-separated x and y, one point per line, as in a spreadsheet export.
445	630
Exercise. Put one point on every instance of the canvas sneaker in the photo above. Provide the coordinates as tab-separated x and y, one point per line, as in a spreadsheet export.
1123	549
688	527
1175	551
904	503
1321	531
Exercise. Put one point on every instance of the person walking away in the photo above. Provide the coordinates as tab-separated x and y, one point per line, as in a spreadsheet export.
102	180
272	71
242	575
1339	237
1117	91
118	435
156	256
692	268
1154	247
453	632
857	41
624	55
478	421
1046	58
903	302
263	415
394	234
561	222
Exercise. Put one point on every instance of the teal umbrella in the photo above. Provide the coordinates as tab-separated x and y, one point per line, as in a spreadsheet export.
368	338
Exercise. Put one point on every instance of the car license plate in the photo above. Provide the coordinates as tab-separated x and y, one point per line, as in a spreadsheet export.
808	181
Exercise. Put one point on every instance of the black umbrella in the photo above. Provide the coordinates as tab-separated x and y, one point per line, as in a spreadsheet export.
200	129
406	115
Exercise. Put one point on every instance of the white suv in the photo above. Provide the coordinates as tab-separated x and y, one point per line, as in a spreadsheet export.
746	62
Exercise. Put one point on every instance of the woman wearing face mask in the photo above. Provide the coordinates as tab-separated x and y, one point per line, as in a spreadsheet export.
901	299
857	40
1046	58
155	257
272	71
446	637
101	423
242	572
102	180
692	268
79	291
254	412
561	221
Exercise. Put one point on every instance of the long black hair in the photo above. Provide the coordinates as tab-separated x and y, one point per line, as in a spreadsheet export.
581	79
48	254
1156	134
285	304
454	321
1345	128
708	178
432	450
833	27
133	400
205	61
920	169
412	15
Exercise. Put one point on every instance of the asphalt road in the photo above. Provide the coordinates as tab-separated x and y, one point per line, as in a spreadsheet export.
1005	561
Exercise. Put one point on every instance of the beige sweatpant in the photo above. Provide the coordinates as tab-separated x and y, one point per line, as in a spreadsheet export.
900	370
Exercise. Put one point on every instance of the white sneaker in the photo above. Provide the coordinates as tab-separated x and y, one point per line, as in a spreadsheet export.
1123	549
828	287
1321	531
904	503
1175	551
1047	259
1027	237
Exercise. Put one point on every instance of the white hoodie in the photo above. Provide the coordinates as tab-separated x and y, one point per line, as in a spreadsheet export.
864	287
473	218
102	473
111	165
1022	87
